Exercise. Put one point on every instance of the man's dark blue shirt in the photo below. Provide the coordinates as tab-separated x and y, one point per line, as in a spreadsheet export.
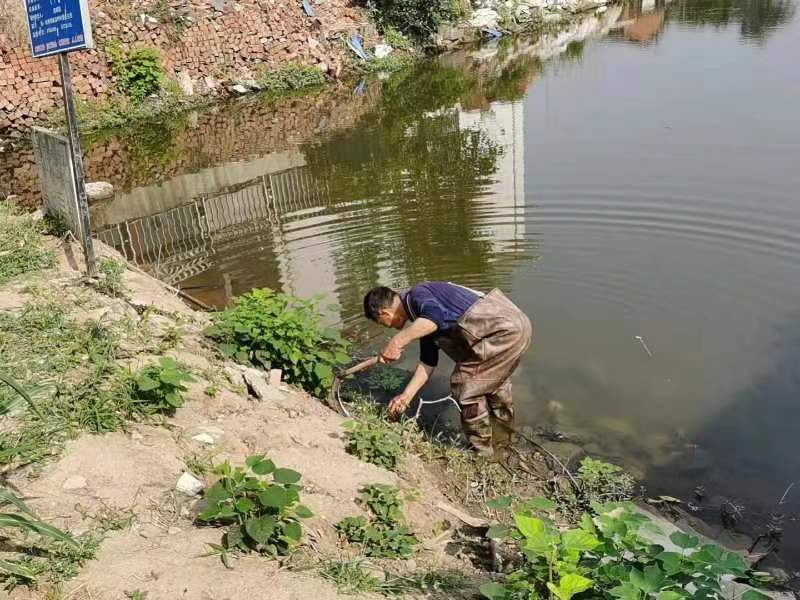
441	302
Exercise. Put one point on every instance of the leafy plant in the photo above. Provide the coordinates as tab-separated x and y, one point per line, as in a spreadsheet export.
160	387
385	534
386	378
138	72
271	330
292	77
396	39
111	277
418	18
374	441
607	555
604	482
262	515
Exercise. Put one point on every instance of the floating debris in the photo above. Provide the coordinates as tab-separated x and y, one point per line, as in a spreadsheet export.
646	349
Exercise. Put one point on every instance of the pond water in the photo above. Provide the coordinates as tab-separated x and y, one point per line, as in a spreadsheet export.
634	176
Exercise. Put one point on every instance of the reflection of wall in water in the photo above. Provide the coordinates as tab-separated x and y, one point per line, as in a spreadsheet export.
227	229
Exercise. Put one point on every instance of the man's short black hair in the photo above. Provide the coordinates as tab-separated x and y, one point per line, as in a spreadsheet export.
376	299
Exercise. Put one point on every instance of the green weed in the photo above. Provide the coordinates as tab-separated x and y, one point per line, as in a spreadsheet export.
138	72
111	277
373	440
160	387
607	555
261	515
21	248
292	77
396	39
395	61
418	18
276	331
385	534
350	576
355	577
604	482
386	378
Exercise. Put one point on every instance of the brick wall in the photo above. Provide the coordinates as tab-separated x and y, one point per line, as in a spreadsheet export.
211	41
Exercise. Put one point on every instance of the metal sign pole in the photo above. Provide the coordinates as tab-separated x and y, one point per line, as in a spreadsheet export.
77	165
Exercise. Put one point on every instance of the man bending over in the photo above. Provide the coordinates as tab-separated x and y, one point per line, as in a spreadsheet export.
485	335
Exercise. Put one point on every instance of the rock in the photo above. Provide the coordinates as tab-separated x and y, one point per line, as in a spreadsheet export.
239	89
323	67
99	190
75	482
189	484
256	383
204	438
185	83
484	17
210	83
382	50
275	376
174	530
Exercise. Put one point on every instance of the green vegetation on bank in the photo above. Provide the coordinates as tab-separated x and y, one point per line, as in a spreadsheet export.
292	77
608	555
271	330
384	534
261	515
138	72
418	18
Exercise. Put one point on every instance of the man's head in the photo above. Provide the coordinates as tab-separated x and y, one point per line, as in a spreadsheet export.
383	305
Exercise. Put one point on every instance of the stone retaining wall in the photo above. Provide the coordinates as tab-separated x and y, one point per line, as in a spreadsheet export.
204	44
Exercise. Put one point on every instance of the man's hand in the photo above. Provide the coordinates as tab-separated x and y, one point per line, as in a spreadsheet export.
391	351
398	405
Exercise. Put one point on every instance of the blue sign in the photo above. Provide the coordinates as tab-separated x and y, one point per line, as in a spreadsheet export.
58	26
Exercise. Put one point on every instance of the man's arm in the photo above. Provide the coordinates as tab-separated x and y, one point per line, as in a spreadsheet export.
400	402
395	346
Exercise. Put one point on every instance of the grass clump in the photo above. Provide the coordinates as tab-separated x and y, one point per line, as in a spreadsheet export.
160	387
385	534
271	330
356	577
604	482
21	248
389	64
606	557
292	77
261	515
417	18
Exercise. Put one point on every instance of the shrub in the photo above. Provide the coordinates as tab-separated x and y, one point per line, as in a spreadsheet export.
607	555
160	388
396	39
138	72
292	77
385	534
418	18
374	441
21	249
272	330
262	516
604	482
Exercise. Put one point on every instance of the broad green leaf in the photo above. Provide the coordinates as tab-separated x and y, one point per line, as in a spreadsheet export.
626	591
530	526
173	399
498	532
286	476
255	458
499	502
671	561
733	563
540	503
260	528
168	362
274	497
670	596
145	383
570	585
580	540
684	540
587	524
245	505
303	512
293	531
754	595
234	538
263	467
493	591
170	377
654	578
